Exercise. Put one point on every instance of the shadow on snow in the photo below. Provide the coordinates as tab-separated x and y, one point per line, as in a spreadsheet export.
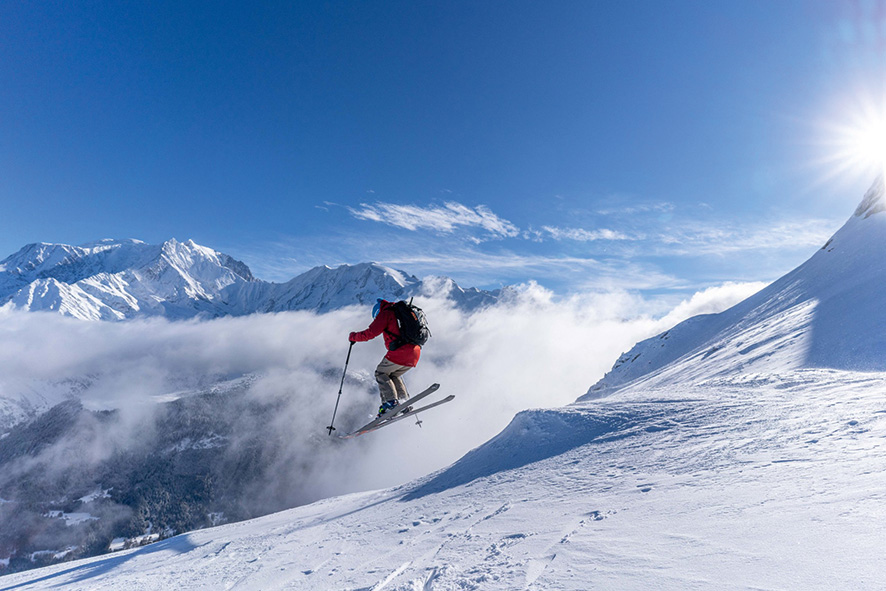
531	436
179	544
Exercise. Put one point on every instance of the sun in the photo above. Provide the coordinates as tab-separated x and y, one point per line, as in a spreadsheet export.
868	142
858	144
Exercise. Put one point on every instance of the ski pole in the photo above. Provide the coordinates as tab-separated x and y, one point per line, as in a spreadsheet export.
348	360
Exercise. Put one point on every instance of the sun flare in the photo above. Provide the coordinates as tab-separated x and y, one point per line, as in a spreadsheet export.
869	143
859	144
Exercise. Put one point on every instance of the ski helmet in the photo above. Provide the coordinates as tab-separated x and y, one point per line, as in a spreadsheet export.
376	307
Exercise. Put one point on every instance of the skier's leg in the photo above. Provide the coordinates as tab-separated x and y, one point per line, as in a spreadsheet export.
400	386
385	387
390	385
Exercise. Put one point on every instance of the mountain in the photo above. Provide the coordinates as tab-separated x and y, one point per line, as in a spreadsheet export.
737	451
827	313
122	279
117	279
322	289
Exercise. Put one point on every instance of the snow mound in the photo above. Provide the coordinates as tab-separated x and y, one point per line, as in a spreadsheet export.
532	435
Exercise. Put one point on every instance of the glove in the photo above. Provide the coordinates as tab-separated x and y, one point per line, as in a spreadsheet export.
352	337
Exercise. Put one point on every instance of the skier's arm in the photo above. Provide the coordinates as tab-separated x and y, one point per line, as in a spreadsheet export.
376	328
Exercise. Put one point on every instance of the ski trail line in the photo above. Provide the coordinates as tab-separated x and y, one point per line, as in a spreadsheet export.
390	577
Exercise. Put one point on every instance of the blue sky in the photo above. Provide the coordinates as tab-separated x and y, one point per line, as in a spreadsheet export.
652	146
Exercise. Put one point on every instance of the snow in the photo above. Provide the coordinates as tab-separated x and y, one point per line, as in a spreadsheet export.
117	544
22	399
204	443
94	496
53	554
71	518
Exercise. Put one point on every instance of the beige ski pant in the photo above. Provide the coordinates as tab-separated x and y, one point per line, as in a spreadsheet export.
390	383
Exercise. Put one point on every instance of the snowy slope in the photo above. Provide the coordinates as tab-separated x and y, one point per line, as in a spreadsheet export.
827	313
121	279
21	400
773	485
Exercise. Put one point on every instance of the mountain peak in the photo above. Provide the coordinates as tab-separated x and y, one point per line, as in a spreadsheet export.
874	200
110	243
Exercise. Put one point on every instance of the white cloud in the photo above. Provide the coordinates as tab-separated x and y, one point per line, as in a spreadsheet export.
582	235
700	239
470	266
495	361
443	219
659	207
711	301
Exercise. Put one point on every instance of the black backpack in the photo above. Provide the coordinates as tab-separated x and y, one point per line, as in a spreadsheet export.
412	324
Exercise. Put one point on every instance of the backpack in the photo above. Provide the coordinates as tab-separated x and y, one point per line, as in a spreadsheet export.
412	324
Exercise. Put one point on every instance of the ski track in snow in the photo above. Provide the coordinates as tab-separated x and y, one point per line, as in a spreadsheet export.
758	484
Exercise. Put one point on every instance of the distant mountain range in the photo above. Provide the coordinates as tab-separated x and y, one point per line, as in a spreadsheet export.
123	279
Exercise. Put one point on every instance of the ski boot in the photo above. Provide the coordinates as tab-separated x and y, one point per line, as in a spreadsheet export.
386	406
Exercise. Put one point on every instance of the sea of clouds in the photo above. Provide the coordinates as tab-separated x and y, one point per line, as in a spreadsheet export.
533	350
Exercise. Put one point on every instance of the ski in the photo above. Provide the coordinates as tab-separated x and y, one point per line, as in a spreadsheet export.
378	424
398	410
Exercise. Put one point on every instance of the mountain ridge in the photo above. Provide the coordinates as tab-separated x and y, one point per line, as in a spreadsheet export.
122	279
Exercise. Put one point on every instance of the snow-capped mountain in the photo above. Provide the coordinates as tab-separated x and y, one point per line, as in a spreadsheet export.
117	279
744	456
325	288
121	279
830	312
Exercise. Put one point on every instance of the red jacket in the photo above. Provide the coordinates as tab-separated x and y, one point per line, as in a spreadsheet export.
386	323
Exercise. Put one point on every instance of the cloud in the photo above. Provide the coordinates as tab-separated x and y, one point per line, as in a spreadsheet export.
443	219
637	208
496	361
711	301
702	239
581	273
679	238
582	235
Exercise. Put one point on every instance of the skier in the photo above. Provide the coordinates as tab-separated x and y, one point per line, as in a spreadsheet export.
389	373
